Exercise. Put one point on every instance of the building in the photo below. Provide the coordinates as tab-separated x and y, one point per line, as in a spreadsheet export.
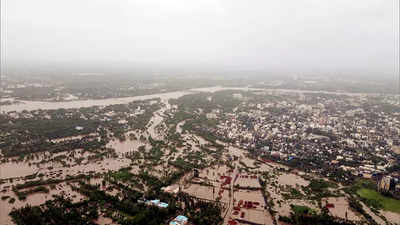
78	128
179	220
156	202
397	188
384	183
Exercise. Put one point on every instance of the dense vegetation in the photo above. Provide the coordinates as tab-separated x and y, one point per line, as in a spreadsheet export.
38	131
303	215
366	191
319	188
129	209
376	200
59	211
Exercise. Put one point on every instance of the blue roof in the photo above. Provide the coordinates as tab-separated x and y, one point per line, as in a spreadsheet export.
163	205
181	218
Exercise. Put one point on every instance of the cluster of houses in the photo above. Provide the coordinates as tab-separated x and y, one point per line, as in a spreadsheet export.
157	202
341	132
389	184
179	220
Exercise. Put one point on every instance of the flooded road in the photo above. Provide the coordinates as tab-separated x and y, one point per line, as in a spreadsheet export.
156	121
24	168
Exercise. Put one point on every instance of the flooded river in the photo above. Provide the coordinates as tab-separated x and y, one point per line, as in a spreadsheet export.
34	105
23	168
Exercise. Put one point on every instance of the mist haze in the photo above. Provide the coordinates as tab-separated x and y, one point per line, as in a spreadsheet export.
358	37
200	112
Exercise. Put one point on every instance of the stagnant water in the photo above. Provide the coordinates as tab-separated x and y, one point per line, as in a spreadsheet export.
20	169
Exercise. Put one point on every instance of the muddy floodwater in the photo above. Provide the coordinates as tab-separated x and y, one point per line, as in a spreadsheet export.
34	199
341	208
292	180
34	105
16	169
53	169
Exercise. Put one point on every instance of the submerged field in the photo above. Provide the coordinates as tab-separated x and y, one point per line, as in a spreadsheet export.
194	153
387	203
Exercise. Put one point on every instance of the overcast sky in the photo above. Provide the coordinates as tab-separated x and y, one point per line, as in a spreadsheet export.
330	35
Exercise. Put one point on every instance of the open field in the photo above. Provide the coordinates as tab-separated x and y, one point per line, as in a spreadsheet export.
389	204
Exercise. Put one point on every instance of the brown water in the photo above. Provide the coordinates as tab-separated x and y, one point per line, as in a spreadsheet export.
125	146
341	208
292	180
390	216
16	169
104	221
34	199
20	169
34	105
154	123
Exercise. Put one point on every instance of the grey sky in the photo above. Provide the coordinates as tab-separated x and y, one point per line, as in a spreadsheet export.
338	35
